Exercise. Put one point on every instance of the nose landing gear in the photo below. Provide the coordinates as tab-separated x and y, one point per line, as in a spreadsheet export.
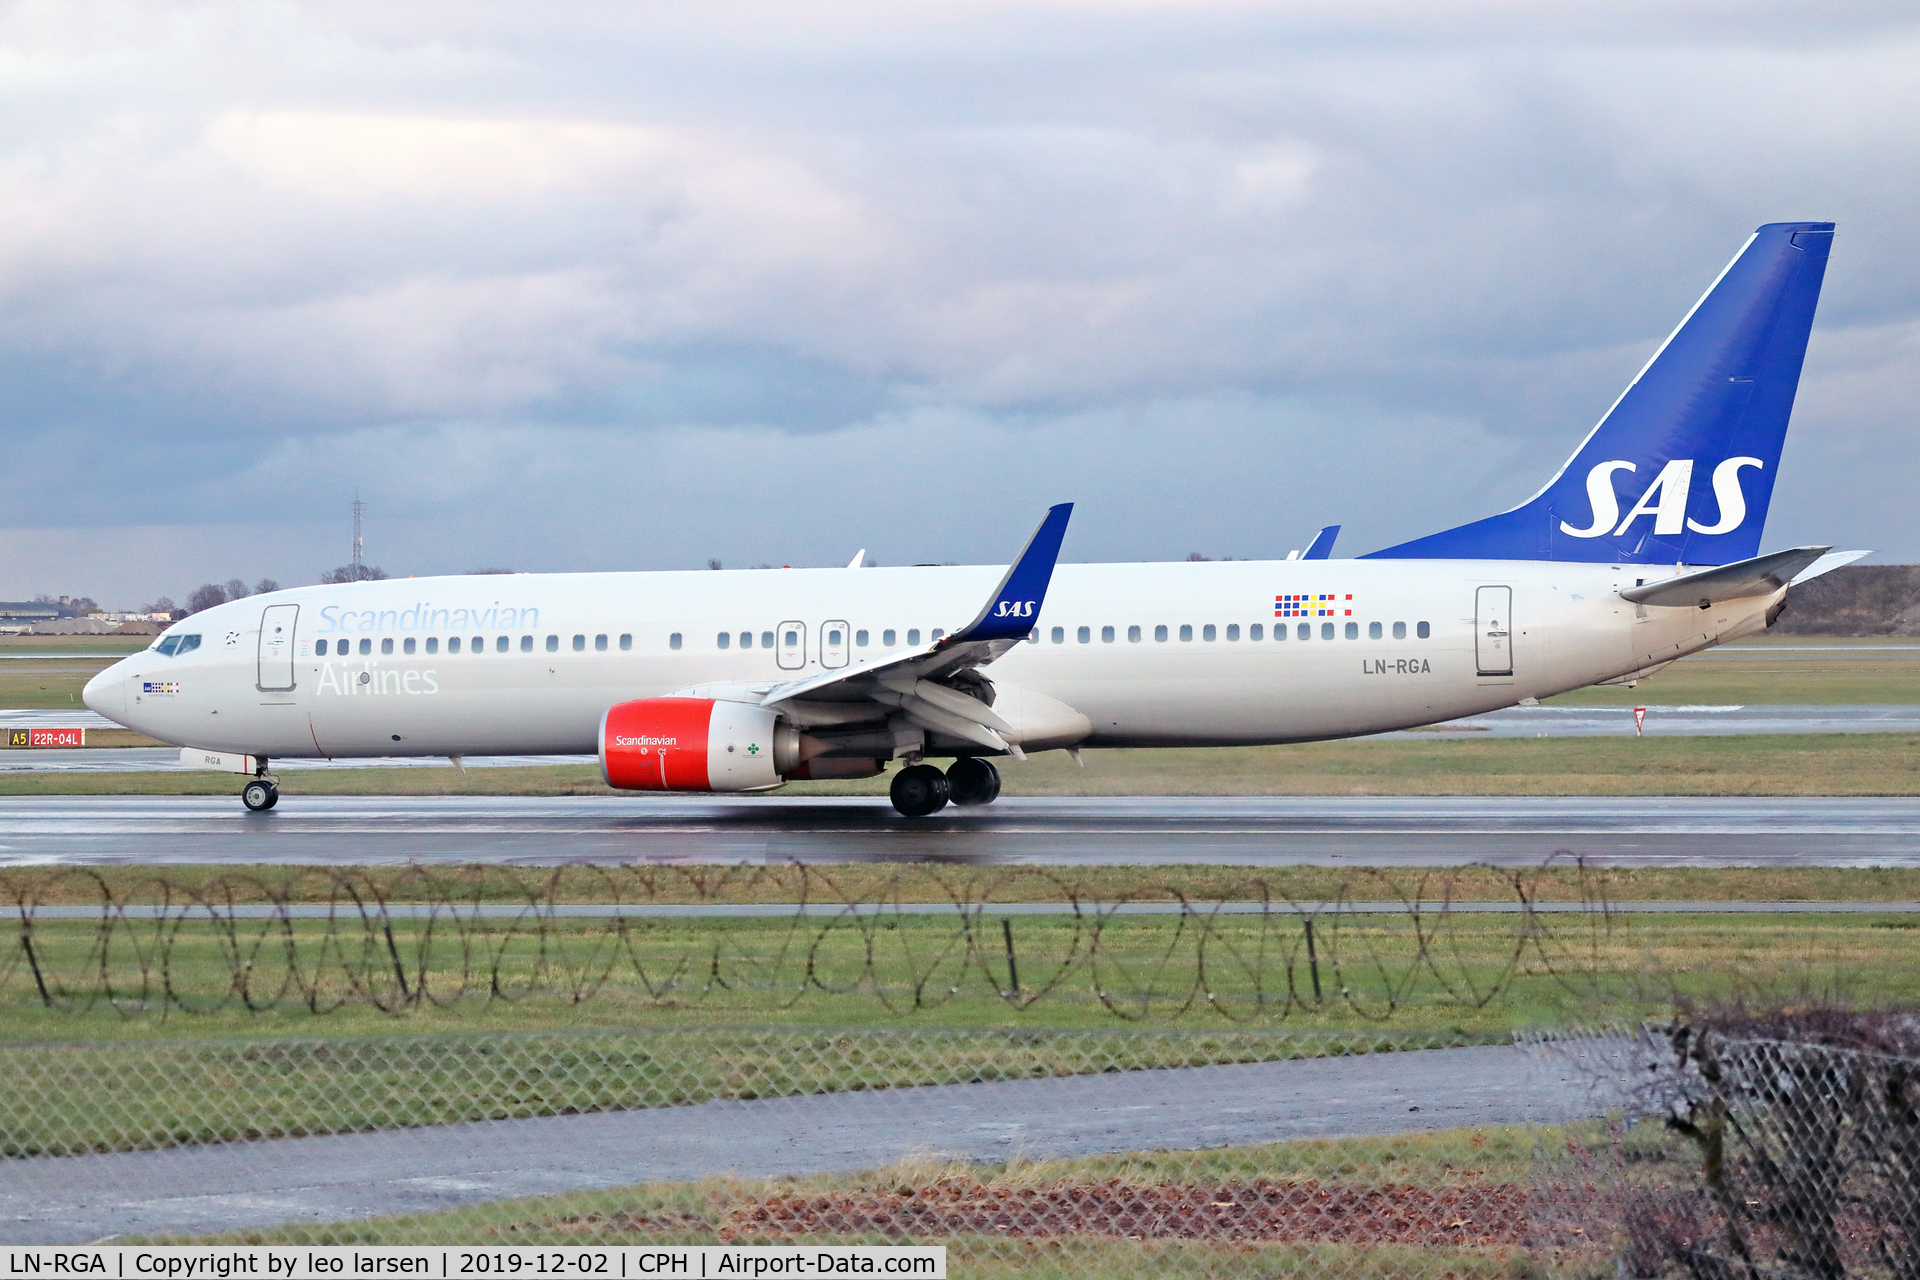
261	792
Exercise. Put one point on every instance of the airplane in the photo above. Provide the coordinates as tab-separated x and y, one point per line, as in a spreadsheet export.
1643	548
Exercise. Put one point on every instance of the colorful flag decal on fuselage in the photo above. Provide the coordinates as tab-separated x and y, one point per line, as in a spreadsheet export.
1325	605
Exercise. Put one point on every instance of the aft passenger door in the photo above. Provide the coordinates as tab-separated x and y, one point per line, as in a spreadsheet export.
833	644
276	648
1493	630
792	645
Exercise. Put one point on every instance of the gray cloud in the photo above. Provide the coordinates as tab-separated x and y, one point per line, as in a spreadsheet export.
633	285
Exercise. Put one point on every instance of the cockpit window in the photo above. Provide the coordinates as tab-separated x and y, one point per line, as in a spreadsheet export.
175	645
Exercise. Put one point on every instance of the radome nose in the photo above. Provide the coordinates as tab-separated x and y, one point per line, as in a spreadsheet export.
106	693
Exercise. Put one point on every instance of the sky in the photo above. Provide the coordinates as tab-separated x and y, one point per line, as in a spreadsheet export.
634	285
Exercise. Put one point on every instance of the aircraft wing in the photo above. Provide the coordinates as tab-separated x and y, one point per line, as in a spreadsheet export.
1762	575
920	684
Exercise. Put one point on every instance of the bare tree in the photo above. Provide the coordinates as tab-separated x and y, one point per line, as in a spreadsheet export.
164	604
237	590
206	596
265	586
485	573
1194	557
713	564
353	573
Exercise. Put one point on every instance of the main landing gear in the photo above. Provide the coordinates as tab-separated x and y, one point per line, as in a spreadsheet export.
261	792
920	789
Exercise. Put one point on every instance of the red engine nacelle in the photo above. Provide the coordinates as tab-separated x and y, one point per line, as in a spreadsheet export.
695	744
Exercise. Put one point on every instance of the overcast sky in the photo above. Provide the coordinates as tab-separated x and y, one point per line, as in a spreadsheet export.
629	285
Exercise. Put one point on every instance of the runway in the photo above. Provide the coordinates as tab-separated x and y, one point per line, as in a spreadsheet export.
242	1186
1255	831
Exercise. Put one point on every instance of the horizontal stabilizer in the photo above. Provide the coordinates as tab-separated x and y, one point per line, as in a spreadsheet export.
1760	576
1827	564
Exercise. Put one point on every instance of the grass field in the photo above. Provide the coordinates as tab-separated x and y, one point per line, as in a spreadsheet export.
855	882
1473	976
1756	765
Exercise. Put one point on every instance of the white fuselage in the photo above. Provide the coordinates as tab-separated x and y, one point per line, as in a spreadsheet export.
542	656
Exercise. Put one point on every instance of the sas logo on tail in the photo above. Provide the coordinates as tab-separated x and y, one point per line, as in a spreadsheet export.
1665	499
1014	609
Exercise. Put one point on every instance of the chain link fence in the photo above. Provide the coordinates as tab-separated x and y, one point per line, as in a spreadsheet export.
1070	1152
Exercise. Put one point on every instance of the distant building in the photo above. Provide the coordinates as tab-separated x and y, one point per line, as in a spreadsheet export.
24	612
18	615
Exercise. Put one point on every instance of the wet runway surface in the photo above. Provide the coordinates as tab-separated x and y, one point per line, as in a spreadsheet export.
331	1179
1257	831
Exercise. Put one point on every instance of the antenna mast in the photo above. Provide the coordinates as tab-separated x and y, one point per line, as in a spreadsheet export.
358	506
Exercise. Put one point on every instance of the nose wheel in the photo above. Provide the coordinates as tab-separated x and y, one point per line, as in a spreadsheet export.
259	795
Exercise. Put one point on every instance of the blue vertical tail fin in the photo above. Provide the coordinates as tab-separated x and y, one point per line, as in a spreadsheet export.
1681	469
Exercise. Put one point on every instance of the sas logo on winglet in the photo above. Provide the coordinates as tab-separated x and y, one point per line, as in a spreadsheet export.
1015	609
1665	499
160	686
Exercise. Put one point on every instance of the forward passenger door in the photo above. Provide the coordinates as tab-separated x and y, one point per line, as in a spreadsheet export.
275	656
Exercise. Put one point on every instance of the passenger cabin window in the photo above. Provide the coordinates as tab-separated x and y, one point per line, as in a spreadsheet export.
1106	635
1133	635
1304	631
479	644
746	640
887	639
1186	631
1059	635
453	644
1033	636
860	639
673	641
1085	635
406	646
526	644
1399	631
938	632
1326	631
579	644
600	644
502	643
913	636
366	647
724	639
1233	631
319	647
1353	631
1423	631
766	639
386	645
1258	632
433	644
1207	632
1373	631
553	644
626	642
1160	632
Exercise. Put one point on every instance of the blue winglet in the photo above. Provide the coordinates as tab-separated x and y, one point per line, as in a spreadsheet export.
1322	543
1011	611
